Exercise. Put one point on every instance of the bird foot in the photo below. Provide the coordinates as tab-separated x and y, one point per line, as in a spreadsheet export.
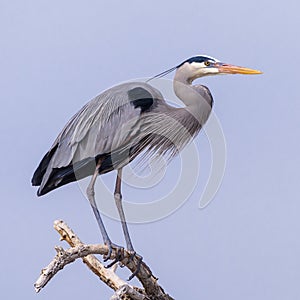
139	259
119	254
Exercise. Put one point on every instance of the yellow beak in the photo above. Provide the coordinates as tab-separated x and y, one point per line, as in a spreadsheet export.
231	69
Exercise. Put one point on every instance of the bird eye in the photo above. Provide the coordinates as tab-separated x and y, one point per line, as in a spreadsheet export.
207	63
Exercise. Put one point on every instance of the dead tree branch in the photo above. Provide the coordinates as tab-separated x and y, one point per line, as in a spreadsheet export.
123	290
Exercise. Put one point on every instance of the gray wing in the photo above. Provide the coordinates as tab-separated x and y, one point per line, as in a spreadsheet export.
106	123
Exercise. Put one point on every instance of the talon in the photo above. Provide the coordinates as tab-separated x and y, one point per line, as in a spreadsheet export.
119	254
107	257
138	267
111	264
119	257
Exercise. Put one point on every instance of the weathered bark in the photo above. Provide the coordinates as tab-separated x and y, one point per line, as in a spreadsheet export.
123	290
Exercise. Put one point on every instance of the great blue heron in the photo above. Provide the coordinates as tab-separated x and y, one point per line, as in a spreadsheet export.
119	124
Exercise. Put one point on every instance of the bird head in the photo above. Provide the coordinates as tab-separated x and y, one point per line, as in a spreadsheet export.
203	65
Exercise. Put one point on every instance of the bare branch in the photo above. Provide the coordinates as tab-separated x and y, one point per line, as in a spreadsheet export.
65	257
128	291
79	250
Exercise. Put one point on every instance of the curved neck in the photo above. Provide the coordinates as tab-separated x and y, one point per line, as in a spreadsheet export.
197	98
184	90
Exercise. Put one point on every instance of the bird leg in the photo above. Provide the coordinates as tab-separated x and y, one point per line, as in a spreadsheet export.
118	200
91	196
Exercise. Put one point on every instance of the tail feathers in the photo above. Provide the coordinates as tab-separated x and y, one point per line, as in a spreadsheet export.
57	177
64	175
41	169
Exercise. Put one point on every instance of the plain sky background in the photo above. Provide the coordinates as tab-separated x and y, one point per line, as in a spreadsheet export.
56	55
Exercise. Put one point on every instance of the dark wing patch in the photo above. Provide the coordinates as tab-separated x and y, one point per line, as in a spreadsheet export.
141	98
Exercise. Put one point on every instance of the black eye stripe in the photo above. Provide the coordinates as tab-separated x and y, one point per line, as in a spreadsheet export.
197	59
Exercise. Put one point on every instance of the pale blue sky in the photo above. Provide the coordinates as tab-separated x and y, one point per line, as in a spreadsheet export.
56	55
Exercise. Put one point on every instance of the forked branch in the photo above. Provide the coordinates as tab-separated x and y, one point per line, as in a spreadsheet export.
151	289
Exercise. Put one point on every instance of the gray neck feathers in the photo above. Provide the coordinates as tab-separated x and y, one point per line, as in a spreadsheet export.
197	98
